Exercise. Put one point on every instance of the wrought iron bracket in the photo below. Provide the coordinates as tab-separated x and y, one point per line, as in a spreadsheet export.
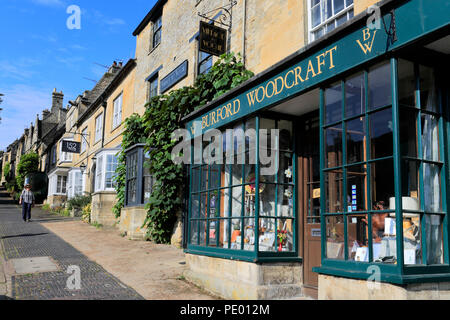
392	32
83	135
225	17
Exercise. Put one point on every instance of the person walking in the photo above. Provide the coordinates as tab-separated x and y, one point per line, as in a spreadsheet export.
27	201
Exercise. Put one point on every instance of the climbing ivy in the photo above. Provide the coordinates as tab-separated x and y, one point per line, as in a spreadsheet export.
162	117
134	133
29	163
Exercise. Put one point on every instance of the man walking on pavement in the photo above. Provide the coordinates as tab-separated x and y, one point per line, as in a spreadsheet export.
27	201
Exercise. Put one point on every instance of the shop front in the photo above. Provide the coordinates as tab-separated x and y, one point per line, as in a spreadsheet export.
349	138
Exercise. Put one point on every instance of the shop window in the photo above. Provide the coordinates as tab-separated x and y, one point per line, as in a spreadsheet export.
361	206
326	15
139	181
105	170
230	211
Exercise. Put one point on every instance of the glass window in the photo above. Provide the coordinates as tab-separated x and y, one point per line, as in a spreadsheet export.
335	237
355	96
98	127
99	174
84	137
153	87
333	146
333	104
61	185
117	116
356	140
157	27
434	240
205	62
380	90
140	182
111	166
381	129
325	15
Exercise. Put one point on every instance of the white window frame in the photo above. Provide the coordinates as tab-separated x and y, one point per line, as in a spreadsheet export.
334	17
59	191
117	115
101	169
98	127
65	156
84	137
72	183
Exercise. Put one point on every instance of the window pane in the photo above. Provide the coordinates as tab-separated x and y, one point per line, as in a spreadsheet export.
249	234
380	94
327	10
202	233
430	137
267	200
333	104
406	83
356	188
267	241
341	20
428	96
382	184
215	176
285	235
381	134
412	239
354	96
432	187
286	135
236	237
286	170
384	238
356	140
408	132
148	188
285	200
433	229
195	205
223	233
357	238
335	237
410	185
236	202
315	16
203	204
194	232
212	230
333	146
214	204
204	184
333	192
349	2
338	5
196	179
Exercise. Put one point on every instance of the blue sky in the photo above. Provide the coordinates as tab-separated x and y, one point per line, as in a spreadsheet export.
38	52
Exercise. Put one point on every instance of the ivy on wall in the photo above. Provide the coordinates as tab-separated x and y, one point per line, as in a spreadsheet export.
162	117
134	133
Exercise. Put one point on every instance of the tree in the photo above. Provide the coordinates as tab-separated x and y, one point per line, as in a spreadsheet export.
29	163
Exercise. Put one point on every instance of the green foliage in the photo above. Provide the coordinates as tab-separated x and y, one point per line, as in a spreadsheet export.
46	207
79	202
134	133
86	216
29	163
7	170
162	117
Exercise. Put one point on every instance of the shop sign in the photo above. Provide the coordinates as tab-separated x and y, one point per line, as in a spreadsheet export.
71	146
212	39
355	48
174	77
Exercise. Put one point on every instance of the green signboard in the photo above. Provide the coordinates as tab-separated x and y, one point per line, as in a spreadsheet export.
413	19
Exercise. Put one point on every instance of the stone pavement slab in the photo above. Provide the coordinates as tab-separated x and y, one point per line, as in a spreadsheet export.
154	271
34	265
20	240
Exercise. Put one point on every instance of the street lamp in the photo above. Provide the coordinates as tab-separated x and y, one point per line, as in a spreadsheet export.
82	168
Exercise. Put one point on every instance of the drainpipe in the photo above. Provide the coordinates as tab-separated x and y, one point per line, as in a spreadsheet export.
244	23
104	104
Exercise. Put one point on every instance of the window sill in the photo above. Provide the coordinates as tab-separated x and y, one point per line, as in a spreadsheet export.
116	127
153	49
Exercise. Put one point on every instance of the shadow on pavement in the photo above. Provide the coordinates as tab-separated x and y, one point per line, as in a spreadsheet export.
2	298
24	235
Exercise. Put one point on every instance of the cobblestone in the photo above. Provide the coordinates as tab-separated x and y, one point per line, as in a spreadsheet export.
27	240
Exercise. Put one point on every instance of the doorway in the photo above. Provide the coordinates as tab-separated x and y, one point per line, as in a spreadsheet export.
309	198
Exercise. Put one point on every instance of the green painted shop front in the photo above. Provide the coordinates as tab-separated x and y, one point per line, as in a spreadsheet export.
362	161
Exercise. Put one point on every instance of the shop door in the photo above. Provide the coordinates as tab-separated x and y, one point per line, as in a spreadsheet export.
309	142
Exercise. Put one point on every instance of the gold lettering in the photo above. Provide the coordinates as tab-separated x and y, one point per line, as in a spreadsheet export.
213	117
237	103
219	114
224	116
331	56
285	79
320	63
310	69
298	72
229	112
205	122
277	92
251	98
273	89
366	34
367	47
263	94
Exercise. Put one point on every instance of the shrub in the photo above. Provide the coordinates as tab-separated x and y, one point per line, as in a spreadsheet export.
46	207
29	163
79	202
86	217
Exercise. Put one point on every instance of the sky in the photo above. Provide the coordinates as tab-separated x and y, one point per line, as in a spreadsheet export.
39	52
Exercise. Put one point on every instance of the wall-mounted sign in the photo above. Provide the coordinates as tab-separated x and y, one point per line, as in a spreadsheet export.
71	146
213	39
316	193
174	77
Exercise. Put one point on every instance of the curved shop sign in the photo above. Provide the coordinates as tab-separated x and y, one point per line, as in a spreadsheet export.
412	20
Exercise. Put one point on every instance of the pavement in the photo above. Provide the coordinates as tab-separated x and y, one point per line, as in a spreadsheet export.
59	258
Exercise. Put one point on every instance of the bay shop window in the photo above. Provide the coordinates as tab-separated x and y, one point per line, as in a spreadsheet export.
105	170
383	172
239	211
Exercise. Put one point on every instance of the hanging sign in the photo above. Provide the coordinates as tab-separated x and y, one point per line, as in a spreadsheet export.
71	147
213	39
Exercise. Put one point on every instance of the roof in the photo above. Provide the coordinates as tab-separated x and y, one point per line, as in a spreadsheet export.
150	16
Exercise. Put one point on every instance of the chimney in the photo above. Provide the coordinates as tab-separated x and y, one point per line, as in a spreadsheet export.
45	114
57	101
114	68
120	64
